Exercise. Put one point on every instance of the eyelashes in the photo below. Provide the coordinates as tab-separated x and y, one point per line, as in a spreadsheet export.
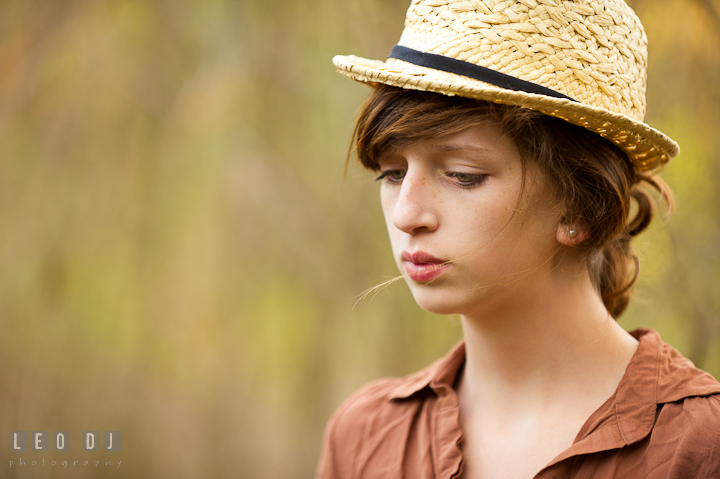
466	180
393	176
463	180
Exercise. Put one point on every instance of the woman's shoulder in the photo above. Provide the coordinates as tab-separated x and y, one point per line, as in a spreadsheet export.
373	395
375	421
688	401
685	440
386	396
365	420
693	419
371	406
678	380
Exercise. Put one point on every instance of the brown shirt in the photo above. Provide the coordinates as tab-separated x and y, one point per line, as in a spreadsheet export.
663	421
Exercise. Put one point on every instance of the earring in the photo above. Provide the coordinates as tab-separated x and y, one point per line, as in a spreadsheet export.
572	233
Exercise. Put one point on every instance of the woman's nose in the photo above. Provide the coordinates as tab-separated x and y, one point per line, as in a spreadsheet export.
414	209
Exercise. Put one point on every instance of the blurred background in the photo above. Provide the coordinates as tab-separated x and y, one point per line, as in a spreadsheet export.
181	256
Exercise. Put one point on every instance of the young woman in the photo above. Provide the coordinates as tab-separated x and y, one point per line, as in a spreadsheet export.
514	162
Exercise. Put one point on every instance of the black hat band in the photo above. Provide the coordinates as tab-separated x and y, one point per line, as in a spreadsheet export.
470	70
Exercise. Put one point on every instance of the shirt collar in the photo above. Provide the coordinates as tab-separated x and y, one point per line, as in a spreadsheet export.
656	374
441	373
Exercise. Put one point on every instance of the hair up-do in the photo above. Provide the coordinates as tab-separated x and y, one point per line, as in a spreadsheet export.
593	178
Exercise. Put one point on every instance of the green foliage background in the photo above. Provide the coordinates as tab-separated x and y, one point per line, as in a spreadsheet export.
181	257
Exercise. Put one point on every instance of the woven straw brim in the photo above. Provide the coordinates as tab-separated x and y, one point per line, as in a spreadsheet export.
648	149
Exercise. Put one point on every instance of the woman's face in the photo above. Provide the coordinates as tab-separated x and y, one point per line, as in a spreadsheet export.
461	233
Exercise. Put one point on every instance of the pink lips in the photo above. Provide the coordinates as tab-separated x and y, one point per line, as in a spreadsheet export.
422	266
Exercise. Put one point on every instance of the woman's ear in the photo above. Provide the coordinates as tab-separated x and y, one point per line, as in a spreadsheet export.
570	235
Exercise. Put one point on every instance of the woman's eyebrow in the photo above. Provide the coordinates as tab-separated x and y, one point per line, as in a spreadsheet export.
450	147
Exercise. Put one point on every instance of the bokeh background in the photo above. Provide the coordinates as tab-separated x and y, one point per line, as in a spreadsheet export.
181	256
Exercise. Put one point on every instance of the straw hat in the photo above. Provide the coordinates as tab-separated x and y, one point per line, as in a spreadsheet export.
583	61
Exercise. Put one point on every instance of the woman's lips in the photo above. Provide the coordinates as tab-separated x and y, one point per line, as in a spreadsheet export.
422	266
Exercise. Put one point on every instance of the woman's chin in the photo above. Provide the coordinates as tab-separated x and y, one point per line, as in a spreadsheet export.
436	302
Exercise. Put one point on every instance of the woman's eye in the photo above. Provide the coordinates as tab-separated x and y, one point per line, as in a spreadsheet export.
467	179
394	176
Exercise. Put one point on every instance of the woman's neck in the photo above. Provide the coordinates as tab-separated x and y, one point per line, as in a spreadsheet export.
547	343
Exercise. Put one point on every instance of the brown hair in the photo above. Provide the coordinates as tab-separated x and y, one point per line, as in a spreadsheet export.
593	178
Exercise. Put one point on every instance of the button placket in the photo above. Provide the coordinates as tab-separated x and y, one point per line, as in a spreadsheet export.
447	433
